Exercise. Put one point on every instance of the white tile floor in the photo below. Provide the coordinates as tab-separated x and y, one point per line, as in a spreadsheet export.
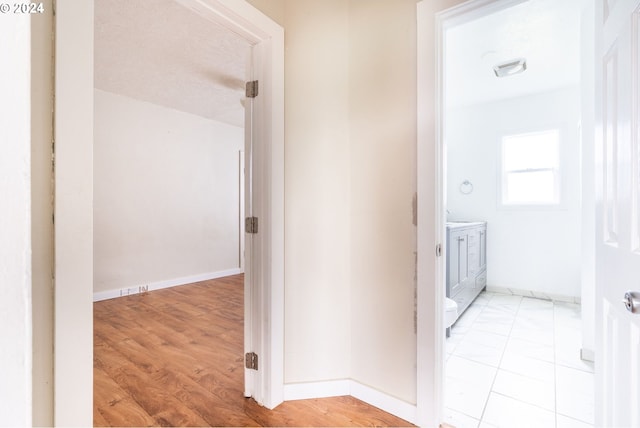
515	362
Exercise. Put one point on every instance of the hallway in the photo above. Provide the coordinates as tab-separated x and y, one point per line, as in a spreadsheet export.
173	357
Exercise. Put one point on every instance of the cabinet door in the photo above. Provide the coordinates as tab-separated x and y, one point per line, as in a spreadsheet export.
458	261
482	248
473	251
477	249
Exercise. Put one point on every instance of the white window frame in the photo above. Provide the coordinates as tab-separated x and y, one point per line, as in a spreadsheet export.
558	173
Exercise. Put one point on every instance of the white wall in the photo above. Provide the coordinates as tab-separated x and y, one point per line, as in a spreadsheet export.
349	183
15	222
166	194
382	120
527	249
317	192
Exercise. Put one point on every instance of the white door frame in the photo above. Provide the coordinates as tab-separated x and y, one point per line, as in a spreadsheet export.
73	327
430	190
430	224
431	178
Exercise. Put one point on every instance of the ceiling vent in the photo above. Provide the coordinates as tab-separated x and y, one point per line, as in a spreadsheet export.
510	67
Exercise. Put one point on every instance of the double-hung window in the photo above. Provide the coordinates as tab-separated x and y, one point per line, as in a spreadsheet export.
531	169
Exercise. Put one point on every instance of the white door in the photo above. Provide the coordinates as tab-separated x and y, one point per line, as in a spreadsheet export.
617	212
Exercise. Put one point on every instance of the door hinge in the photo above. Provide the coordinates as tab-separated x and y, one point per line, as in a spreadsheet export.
439	250
251	225
251	89
251	360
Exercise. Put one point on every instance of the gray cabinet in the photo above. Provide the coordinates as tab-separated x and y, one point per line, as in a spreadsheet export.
466	261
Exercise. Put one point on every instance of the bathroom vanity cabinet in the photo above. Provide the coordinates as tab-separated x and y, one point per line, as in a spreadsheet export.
466	262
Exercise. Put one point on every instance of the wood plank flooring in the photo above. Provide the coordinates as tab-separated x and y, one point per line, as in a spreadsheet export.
174	357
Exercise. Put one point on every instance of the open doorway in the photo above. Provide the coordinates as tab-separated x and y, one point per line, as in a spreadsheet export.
167	211
168	130
74	200
513	180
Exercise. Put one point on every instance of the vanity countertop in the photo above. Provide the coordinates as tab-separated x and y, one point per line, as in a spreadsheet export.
454	224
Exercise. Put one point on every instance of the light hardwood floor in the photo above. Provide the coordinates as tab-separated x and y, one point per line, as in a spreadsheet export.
174	357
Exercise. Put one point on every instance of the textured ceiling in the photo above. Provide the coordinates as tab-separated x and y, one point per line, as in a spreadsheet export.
545	32
160	52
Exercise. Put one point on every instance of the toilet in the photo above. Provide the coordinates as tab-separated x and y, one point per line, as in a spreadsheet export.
450	312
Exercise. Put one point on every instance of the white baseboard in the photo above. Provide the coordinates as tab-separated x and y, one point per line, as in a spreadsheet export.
306	390
534	294
383	401
121	292
335	388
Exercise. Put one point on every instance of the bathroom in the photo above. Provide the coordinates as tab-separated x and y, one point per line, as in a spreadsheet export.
515	224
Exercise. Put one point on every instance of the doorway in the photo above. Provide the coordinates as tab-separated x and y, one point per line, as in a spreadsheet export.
168	128
511	153
167	132
74	196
